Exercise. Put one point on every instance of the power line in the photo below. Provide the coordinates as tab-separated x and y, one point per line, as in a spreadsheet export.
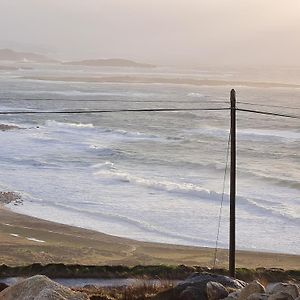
110	111
222	202
268	113
142	110
118	100
268	105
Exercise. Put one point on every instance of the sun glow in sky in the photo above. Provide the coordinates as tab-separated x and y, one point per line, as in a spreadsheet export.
159	31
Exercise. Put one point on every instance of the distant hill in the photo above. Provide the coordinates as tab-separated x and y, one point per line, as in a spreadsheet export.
114	62
11	55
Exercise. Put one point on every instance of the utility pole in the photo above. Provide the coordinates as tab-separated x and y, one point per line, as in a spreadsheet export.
232	184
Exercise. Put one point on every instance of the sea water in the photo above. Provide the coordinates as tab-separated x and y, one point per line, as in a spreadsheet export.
154	176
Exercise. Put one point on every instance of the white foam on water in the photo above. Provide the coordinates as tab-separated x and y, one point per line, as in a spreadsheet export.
249	134
152	177
35	240
196	95
55	124
14	234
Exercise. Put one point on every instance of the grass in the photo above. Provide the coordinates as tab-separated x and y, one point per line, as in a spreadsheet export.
136	292
163	272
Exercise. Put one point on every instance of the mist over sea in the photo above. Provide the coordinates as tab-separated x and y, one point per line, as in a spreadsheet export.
154	176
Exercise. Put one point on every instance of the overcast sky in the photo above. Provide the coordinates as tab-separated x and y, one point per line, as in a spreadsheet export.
213	32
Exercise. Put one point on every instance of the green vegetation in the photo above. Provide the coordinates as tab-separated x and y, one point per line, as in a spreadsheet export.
163	272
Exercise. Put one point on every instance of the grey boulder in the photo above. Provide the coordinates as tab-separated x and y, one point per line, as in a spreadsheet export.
280	296
40	288
252	288
215	291
288	288
200	286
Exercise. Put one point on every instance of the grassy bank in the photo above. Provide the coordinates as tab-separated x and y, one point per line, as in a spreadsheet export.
164	272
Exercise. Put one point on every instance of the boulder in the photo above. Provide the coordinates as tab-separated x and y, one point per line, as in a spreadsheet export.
288	288
206	277
251	288
90	287
192	293
3	286
215	291
233	296
280	296
258	296
195	287
40	288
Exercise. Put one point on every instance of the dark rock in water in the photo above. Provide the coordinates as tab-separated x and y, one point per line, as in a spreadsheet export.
3	286
5	127
10	197
196	285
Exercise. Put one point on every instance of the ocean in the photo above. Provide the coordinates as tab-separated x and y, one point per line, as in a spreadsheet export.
155	176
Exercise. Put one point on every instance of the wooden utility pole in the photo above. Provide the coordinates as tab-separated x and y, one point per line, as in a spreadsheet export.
232	184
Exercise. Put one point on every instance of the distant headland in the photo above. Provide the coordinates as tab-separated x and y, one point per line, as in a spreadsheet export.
114	62
15	56
19	57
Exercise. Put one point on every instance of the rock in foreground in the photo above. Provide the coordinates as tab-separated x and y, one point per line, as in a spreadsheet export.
202	286
206	286
40	288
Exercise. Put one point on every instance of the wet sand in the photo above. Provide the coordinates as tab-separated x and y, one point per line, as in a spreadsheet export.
26	240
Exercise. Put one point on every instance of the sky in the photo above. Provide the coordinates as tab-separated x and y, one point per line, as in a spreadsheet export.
171	32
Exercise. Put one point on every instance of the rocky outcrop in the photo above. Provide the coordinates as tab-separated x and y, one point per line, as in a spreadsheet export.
278	291
6	127
207	286
40	288
202	286
10	197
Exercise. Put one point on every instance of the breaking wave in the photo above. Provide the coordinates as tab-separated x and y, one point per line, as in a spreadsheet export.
191	190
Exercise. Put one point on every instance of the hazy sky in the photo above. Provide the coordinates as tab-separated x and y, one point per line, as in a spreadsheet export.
160	31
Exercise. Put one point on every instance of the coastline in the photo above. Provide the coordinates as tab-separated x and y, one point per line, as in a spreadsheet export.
158	80
26	240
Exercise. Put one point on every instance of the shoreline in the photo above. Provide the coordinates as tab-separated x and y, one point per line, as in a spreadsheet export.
160	80
18	201
26	240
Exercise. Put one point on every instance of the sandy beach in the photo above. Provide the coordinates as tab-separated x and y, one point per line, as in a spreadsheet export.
25	240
